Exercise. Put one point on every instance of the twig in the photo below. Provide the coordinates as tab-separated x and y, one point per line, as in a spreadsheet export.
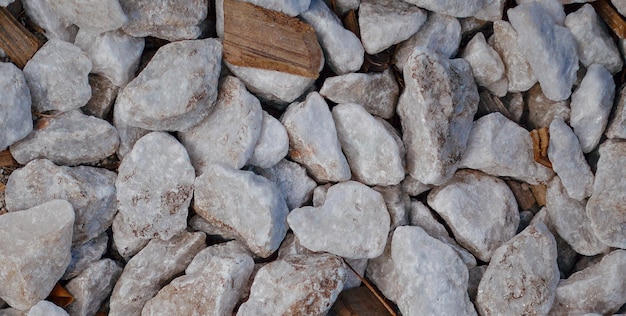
372	289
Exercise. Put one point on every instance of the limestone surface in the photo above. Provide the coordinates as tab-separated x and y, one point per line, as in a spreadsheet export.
170	20
450	7
398	204
128	134
15	117
272	145
41	12
85	255
487	66
542	111
518	71
124	240
100	16
92	287
617	126
292	181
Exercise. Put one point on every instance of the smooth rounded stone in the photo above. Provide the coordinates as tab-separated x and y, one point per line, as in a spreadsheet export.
371	151
591	105
617	126
549	48
492	10
518	71
92	287
398	204
128	134
57	77
459	9
124	240
376	92
430	273
172	21
313	140
568	161
542	111
203	257
103	94
198	223
154	186
152	268
382	272
91	191
522	276
593	41
86	254
288	7
15	117
157	99
34	251
500	147
480	210
230	133
292	181
342	49
600	288
272	145
245	204
387	22
100	16
41	12
606	207
414	187
296	285
436	111
487	66
45	308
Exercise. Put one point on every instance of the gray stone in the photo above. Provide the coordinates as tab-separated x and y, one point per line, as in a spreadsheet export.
617	126
173	21
148	271
90	190
86	254
35	251
272	145
487	66
382	272
566	256
514	102
198	223
353	222
620	5
41	12
244	203
92	287
99	16
414	187
15	117
518	71
292	181
124	239
57	77
436	111
475	275
480	210
542	111
319	194
200	261
12	312
128	134
103	94
45	308
553	8
454	8
522	276
492	10
398	204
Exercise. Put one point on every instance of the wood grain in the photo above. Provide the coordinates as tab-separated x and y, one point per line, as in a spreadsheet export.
19	44
611	17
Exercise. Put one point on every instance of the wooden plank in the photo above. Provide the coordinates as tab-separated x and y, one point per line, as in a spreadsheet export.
611	17
19	44
261	38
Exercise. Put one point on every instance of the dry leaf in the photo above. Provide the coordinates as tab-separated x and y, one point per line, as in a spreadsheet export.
60	296
541	140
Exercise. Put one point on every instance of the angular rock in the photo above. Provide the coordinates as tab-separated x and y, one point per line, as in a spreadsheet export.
15	117
92	287
45	308
413	186
487	66
173	21
90	190
99	16
124	239
553	8
198	223
353	222
382	272
103	94
225	249
292	181
41	12
480	210
272	145
398	204
313	139
450	7
518	71
436	111
57	77
475	275
491	11
35	250
243	203
128	134
542	111
319	194
617	126
522	276
85	255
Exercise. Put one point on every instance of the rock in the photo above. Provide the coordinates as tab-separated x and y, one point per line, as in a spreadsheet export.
292	181
198	223
413	186
436	111
86	254
487	67
15	117
272	145
382	272
372	153
566	256
568	161
620	6
522	276
499	147
429	273
475	275
172	21
124	239
92	287
491	10
343	6
342	49
387	22
353	222
599	288
45	308
57	77
90	190
292	246
288	7
179	107
525	217
518	71
591	105
103	94
225	250
514	102
594	44
313	139
549	48
606	207
154	187
243	203
553	8
99	16
319	194
128	134
42	13
296	285
450	7
617	126
480	210
148	271
229	134
398	204
35	250
69	138
542	111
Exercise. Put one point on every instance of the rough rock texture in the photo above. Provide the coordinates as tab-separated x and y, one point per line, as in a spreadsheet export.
518	71
198	223
353	222
244	203
454	8
491	10
15	117
480	210
541	110
553	8
151	102
92	287
522	276
398	204
154	187
617	126
414	187
128	134
487	66
45	308
35	250
620	6
436	111
124	239
272	145
225	249
85	255
296	285
103	94
99	16
170	20
292	181
382	272
41	12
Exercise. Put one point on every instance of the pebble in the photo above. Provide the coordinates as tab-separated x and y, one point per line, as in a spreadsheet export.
292	181
272	145
617	126
86	254
99	16
542	111
480	210
15	117
229	134
172	21
450	7
522	276
518	71
198	223
243	203
398	204
92	287
382	272
436	111
103	94
90	190
42	13
35	251
553	8
154	187
353	222
313	140
45	308
319	194
124	240
487	66
57	77
491	10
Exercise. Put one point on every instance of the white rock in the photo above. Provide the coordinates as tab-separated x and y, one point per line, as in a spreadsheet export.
225	249
552	7
518	71
542	111
382	272
92	287
288	7
85	255
617	126
45	308
15	117
124	240
41	12
100	16
492	10
487	67
173	21
398	204
319	194
292	181
454	8
413	186
620	5
128	134
343	6
272	145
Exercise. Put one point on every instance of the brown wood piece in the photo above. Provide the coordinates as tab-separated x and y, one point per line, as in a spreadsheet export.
19	44
351	23
261	38
523	194
611	17
541	140
6	159
60	296
2	186
539	192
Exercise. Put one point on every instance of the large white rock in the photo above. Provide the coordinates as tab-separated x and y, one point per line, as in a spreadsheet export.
41	12
125	242
292	181
518	71
92	287
173	21
553	8
492	10
15	102
46	308
97	15
454	8
487	66
272	145
617	126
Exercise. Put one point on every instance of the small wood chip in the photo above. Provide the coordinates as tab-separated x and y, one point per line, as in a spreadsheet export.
611	17
539	192
6	159
541	140
523	194
351	23
19	44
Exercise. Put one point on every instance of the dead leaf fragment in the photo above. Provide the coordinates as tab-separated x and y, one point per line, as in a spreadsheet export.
541	140
60	296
